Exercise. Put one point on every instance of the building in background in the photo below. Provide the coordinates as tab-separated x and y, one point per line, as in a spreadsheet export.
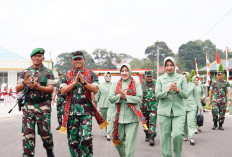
11	66
213	69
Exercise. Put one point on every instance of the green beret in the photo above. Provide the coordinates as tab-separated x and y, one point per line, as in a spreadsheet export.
77	54
37	51
148	73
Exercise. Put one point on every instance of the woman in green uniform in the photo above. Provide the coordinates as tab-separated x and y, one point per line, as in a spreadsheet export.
201	91
126	94
171	89
102	98
192	103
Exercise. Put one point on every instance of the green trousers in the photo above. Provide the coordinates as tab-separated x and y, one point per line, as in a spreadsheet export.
190	124
171	126
104	114
110	119
127	134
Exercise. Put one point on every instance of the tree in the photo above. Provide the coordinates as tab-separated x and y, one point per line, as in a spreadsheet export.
63	61
197	49
220	68
192	74
187	53
164	51
104	59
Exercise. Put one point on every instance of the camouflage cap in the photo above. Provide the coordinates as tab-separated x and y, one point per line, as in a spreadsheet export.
77	54
60	73
219	72
148	73
37	51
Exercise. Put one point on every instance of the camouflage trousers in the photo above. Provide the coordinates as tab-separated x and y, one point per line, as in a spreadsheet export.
151	120
218	112
60	111
79	135
43	121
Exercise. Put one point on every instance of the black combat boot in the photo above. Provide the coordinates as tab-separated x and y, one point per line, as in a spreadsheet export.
214	126
152	140
50	153
58	128
147	136
220	126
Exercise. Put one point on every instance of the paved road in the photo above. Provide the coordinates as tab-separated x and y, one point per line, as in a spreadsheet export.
209	143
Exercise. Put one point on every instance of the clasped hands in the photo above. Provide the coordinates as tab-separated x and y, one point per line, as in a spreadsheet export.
174	87
31	81
123	94
79	78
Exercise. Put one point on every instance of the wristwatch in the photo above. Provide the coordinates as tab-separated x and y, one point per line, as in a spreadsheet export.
85	82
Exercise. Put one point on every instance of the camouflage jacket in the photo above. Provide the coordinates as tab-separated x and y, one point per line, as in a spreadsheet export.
60	98
80	105
37	101
149	98
220	89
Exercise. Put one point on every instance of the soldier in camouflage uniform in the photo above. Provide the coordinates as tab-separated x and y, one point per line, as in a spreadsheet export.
37	108
149	107
219	91
79	127
60	102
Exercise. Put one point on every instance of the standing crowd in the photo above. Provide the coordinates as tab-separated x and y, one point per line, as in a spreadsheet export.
172	100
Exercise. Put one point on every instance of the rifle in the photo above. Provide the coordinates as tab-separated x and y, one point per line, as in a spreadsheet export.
21	99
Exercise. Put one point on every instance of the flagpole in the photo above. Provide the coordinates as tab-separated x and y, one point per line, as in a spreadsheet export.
227	65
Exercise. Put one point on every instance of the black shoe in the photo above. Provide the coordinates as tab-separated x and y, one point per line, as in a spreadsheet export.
50	153
152	140
147	137
108	137
214	126
220	127
58	128
192	143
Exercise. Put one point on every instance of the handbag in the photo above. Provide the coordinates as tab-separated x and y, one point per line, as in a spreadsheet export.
202	102
200	119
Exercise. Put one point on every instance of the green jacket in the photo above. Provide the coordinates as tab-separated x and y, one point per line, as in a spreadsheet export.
126	113
171	104
200	88
102	96
193	100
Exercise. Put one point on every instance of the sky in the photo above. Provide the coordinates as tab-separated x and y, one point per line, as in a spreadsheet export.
121	26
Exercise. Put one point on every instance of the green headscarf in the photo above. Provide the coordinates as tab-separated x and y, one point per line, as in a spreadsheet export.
188	76
129	68
106	74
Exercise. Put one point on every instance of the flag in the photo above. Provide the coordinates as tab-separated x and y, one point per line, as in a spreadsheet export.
218	60
208	70
227	66
197	72
177	68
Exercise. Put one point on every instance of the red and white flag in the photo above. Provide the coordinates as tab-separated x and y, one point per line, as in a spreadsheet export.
218	60
227	66
177	68
208	70
197	72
